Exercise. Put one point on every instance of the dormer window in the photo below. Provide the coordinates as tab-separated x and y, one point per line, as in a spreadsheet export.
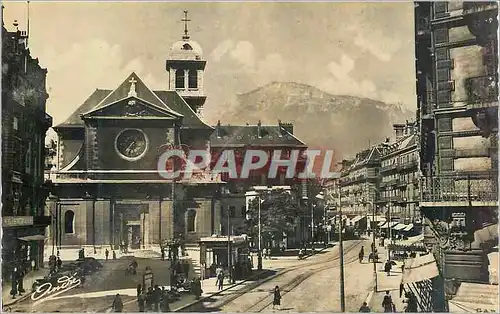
187	47
179	79
193	79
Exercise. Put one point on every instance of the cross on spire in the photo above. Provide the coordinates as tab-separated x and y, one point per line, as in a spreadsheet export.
132	91
186	20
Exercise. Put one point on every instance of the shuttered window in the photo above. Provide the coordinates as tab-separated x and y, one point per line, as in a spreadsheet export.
441	36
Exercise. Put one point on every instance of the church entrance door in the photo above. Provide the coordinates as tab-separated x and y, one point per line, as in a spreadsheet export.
128	226
134	234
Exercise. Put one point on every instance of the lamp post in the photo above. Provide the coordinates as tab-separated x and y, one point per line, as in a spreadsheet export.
341	252
259	254
229	255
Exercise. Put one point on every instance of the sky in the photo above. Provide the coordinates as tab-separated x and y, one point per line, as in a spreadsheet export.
361	49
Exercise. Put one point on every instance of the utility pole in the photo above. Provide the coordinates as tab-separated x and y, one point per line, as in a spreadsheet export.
373	250
341	252
259	255
229	257
312	227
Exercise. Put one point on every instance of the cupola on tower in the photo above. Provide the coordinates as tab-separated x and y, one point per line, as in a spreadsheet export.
185	66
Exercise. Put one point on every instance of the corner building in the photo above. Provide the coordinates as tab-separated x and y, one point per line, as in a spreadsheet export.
457	62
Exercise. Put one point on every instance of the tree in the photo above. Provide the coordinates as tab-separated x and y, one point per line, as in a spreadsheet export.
279	212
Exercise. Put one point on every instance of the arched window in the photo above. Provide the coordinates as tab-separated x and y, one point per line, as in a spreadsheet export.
191	219
187	47
179	78
193	79
69	221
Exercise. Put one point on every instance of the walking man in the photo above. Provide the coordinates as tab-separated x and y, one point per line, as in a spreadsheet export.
117	304
106	253
387	303
387	267
277	298
364	308
220	280
361	254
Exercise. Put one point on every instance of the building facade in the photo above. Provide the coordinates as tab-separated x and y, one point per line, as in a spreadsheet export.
24	126
241	138
399	177
456	63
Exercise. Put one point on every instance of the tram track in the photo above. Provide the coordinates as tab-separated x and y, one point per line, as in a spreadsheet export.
317	267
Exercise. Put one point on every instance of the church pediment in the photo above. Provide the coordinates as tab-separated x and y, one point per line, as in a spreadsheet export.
131	107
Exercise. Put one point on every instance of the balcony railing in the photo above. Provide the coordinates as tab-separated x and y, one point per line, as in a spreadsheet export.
451	189
482	89
388	168
470	7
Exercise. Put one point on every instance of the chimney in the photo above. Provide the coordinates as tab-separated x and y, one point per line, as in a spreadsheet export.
218	129
399	130
287	127
259	129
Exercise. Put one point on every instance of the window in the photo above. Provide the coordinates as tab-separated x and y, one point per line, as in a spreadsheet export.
27	161
179	79
15	123
243	211
191	219
232	211
193	79
187	47
69	221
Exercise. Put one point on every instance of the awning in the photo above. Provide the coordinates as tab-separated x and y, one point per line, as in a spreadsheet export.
356	219
382	224
408	227
376	218
389	224
486	235
419	269
36	237
473	298
399	226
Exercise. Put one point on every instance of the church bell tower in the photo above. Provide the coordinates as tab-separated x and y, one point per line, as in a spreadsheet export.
185	67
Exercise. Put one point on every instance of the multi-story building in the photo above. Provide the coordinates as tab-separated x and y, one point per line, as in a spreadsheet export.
359	182
399	181
456	49
240	139
24	125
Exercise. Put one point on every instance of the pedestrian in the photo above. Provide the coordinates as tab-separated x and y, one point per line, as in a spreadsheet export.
361	254
139	290
220	280
162	254
364	308
106	253
156	298
20	281
114	254
149	299
277	298
141	302
412	303
387	267
117	303
33	264
165	302
13	291
387	303
59	263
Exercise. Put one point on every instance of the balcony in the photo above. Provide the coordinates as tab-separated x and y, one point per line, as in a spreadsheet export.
478	7
472	152
411	164
459	191
394	182
388	168
482	91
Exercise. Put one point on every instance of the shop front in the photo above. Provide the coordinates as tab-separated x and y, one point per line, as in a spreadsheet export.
215	252
22	244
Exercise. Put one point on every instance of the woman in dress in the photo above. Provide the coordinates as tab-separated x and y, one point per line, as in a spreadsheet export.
277	298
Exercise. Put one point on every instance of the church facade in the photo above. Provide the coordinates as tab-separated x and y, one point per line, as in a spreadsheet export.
107	188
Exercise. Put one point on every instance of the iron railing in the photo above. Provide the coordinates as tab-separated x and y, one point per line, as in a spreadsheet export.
482	89
459	189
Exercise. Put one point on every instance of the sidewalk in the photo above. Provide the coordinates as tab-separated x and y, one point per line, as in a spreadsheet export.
28	281
387	283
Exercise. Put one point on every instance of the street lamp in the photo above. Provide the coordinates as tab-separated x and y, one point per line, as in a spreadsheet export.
259	254
341	252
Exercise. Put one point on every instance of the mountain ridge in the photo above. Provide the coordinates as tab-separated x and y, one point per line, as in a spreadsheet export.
336	117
